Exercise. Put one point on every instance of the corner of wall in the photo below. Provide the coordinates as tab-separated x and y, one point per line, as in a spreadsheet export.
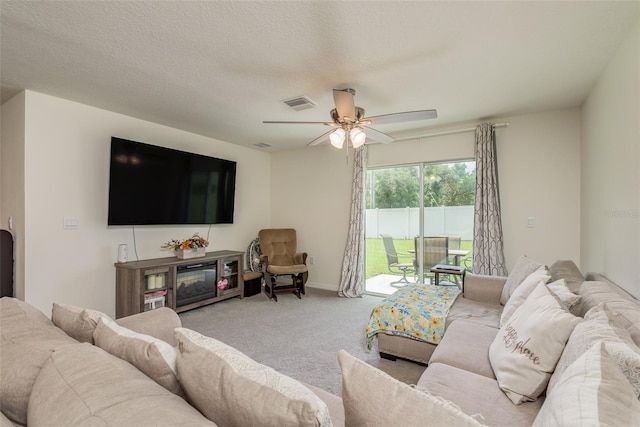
12	181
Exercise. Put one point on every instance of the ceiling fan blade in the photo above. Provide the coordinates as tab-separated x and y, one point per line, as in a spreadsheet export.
298	123
378	136
407	116
320	139
344	104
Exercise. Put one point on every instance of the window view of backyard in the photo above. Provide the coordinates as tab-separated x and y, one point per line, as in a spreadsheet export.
395	205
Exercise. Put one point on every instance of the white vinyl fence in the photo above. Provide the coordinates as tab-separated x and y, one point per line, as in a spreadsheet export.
403	223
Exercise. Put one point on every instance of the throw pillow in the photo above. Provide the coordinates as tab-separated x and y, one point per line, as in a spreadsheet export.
592	391
150	355
373	398
626	323
523	268
525	352
79	323
523	290
568	298
600	325
222	383
569	271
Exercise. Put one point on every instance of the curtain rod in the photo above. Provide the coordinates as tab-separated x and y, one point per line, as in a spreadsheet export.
449	132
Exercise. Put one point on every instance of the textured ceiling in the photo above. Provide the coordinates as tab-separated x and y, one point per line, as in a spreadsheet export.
219	68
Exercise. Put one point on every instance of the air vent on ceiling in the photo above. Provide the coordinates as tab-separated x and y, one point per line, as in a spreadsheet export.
300	103
262	145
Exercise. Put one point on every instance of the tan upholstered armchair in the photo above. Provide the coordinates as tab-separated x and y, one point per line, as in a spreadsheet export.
279	258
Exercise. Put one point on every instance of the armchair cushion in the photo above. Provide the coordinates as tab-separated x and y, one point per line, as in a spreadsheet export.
287	269
279	245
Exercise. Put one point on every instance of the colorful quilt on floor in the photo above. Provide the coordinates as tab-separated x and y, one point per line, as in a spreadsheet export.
413	311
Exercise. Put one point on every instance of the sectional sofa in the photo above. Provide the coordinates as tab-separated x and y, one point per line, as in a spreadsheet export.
544	346
82	368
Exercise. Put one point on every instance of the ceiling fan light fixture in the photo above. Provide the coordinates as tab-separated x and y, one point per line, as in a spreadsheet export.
337	138
357	137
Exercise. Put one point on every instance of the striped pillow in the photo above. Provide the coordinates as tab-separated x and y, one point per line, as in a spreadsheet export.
591	391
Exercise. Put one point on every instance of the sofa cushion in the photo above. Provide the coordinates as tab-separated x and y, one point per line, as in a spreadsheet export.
523	268
78	323
520	294
14	310
5	421
373	398
481	395
527	348
466	346
618	301
592	391
27	339
87	386
600	326
222	383
150	355
478	312
569	271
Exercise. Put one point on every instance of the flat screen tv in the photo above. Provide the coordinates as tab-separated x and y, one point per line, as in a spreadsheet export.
150	185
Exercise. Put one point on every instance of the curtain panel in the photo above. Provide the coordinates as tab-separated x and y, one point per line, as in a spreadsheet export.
352	282
488	253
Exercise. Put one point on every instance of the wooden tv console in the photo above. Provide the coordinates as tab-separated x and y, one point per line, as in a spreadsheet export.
148	284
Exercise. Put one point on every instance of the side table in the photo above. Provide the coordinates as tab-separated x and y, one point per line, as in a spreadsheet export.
452	270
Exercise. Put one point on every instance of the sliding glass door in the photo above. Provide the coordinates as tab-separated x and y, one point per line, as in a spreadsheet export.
411	206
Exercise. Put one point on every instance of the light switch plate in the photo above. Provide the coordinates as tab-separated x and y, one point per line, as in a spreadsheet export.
70	223
531	221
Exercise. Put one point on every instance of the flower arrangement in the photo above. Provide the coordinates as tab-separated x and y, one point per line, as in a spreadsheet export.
193	243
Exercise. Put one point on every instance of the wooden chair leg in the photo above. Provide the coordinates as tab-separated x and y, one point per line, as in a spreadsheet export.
269	286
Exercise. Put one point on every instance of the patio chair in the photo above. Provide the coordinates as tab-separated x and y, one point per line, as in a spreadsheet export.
452	244
393	262
436	251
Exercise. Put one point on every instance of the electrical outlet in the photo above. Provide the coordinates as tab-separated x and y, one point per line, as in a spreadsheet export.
531	221
311	260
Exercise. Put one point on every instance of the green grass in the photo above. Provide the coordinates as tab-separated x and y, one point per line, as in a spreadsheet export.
376	259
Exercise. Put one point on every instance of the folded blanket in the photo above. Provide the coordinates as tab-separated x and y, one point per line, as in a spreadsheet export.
413	311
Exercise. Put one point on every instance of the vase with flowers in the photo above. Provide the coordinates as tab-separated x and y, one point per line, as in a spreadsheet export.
193	247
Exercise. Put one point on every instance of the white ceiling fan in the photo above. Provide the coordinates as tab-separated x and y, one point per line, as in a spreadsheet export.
351	123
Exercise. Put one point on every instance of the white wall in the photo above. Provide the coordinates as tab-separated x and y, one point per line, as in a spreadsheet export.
539	172
66	157
311	192
12	181
611	170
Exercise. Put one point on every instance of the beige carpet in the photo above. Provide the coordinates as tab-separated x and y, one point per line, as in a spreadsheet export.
299	338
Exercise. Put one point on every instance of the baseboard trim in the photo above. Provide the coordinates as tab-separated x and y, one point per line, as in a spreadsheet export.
322	286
